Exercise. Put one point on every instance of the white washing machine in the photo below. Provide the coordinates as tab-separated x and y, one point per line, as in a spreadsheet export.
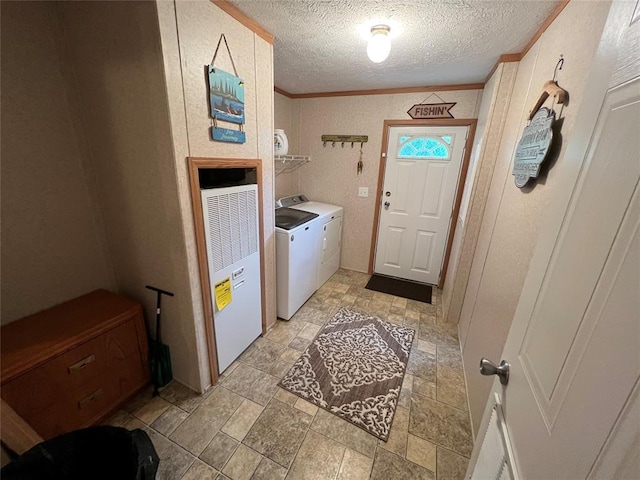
329	233
296	259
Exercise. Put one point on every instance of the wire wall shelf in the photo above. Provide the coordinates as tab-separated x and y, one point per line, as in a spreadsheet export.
289	163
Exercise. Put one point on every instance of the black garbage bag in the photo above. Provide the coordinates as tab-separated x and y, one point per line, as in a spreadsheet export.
97	453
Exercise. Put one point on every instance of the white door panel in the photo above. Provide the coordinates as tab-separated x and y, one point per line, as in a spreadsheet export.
423	253
585	324
393	247
402	187
421	175
574	344
434	191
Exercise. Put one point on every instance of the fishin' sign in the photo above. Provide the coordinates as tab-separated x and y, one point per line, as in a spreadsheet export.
431	110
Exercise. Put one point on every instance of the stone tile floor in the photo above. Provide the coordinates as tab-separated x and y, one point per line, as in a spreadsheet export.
248	428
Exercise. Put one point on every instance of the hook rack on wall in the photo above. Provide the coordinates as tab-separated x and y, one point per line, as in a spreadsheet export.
342	139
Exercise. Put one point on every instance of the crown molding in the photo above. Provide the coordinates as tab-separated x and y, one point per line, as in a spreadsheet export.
516	57
251	24
282	92
384	91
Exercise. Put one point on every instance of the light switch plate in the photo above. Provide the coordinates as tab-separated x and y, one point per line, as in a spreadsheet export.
363	191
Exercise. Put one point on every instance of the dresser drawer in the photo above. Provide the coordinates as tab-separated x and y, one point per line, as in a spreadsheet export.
71	372
88	403
69	366
97	355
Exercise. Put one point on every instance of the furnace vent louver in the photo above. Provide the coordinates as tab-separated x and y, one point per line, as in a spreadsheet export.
496	456
233	227
230	221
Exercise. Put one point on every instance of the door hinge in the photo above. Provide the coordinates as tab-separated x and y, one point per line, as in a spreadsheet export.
384	154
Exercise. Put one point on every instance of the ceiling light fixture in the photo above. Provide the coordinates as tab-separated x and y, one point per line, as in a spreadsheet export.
379	44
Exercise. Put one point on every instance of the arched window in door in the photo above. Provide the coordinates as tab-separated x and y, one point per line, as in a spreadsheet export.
425	148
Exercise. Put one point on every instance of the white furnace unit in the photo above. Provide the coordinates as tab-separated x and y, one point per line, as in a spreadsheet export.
233	256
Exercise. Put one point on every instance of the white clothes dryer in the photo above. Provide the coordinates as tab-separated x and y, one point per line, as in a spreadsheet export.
329	233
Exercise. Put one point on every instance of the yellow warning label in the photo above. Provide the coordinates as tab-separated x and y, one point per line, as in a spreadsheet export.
222	293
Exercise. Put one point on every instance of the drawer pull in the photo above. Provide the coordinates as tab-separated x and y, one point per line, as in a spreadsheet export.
82	363
87	400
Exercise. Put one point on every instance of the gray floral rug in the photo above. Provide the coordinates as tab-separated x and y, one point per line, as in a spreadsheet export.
354	369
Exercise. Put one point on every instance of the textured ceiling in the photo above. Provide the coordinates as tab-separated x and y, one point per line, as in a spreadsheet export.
320	45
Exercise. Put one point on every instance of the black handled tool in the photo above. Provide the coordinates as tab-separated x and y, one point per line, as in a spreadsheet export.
159	354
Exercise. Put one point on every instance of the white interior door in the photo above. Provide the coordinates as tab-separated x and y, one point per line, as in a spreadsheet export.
571	404
420	181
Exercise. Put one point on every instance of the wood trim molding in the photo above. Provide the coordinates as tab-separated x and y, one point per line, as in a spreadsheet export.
453	122
376	212
464	170
389	91
196	163
506	58
203	267
510	57
248	22
516	57
282	92
543	27
438	122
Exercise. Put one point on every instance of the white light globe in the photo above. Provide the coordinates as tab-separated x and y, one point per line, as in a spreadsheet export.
379	44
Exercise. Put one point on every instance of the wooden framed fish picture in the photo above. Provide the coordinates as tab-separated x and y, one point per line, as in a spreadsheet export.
226	98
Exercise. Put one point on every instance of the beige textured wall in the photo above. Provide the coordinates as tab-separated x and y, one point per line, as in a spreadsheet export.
495	103
487	98
513	216
53	245
287	117
189	33
200	24
331	175
115	51
286	113
96	155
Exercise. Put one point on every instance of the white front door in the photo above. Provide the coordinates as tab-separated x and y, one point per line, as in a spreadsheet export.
420	182
571	404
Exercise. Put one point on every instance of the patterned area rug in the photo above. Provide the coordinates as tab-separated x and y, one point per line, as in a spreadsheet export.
354	369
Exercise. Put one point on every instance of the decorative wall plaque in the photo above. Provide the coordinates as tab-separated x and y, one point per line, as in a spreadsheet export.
431	110
226	100
533	146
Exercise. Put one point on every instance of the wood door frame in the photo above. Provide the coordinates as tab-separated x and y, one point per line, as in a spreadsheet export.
195	164
453	221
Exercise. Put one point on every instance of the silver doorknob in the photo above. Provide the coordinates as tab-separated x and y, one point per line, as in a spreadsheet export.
386	205
487	367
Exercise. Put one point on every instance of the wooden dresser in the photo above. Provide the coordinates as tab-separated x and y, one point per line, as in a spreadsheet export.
71	365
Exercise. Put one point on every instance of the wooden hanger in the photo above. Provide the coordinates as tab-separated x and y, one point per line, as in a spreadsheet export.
551	88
